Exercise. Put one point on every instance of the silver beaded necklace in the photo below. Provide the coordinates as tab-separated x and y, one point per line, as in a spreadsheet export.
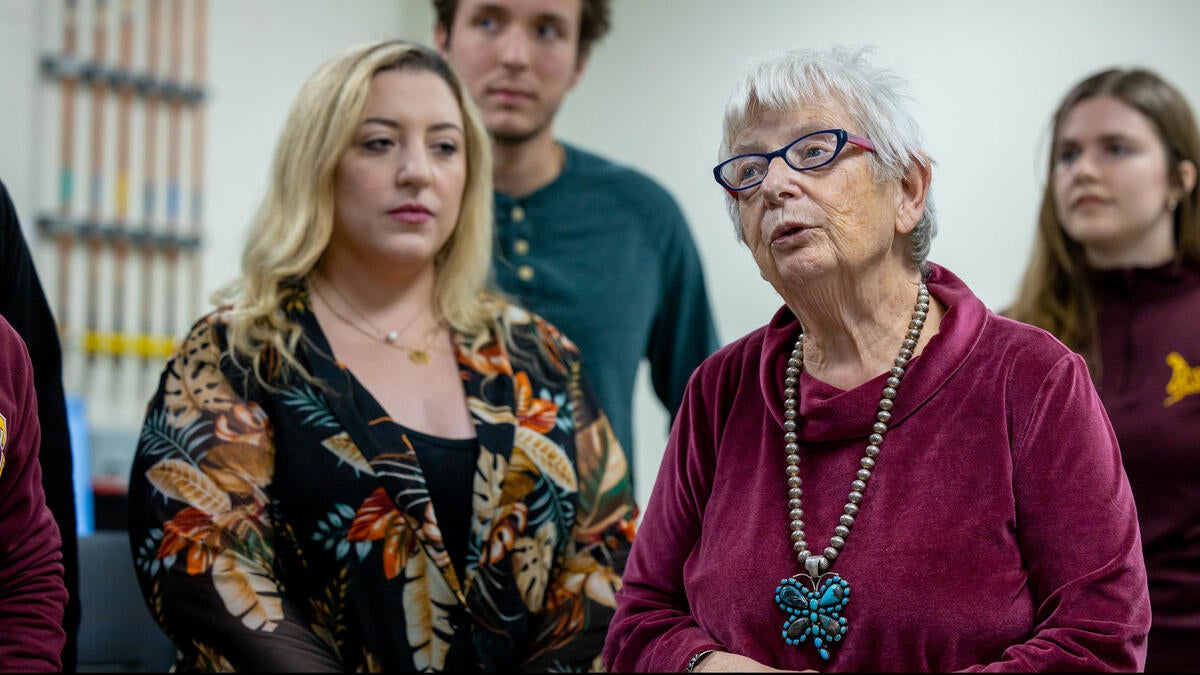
817	612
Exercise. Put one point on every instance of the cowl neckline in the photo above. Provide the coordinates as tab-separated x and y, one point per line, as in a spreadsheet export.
827	413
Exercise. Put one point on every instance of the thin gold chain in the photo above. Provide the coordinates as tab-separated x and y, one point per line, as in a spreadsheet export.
418	355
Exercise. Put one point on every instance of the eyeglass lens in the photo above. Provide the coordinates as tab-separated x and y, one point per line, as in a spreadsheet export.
808	152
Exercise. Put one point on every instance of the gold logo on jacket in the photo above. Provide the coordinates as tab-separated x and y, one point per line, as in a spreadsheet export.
1185	379
3	439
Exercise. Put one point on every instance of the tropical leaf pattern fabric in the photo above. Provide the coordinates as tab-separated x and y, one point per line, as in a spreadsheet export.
284	528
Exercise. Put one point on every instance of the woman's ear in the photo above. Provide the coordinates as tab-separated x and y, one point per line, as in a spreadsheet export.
914	188
1187	177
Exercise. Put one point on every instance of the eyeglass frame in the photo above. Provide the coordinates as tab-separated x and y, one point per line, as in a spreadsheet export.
843	137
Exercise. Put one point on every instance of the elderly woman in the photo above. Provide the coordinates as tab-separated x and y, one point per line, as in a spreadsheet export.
365	460
887	476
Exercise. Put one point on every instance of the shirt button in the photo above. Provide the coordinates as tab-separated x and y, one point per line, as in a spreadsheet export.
525	273
518	214
521	246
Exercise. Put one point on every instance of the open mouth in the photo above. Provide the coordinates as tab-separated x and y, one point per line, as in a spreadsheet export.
787	230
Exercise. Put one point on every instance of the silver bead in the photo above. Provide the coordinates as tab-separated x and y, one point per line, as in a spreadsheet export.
815	566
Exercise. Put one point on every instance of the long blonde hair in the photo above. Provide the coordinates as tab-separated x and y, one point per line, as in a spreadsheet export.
1054	293
294	223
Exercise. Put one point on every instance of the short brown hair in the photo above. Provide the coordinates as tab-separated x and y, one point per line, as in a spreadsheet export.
594	21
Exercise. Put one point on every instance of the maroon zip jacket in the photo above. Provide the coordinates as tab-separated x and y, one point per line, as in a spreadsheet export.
997	532
1150	384
32	593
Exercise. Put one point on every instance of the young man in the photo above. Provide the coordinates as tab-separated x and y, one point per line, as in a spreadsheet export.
598	249
32	594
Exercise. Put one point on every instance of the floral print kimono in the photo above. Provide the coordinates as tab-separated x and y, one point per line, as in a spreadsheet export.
286	528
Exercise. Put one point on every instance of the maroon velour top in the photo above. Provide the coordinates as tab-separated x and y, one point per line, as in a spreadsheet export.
33	596
998	531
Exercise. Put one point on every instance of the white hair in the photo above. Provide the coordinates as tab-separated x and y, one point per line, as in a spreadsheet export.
871	96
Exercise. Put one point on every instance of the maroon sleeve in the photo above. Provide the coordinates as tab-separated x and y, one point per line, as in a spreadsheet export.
32	593
1078	527
653	629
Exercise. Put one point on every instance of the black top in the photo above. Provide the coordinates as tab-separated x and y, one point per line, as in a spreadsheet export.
449	468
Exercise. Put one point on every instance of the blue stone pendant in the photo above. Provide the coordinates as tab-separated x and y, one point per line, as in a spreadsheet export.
816	613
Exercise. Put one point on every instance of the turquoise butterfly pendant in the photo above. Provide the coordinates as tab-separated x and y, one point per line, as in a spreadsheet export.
816	614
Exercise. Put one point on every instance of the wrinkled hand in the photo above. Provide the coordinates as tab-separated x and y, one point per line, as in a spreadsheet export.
724	662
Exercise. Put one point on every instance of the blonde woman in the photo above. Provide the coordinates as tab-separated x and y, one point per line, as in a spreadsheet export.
363	460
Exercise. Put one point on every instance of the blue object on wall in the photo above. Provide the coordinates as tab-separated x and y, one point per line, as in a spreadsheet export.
81	458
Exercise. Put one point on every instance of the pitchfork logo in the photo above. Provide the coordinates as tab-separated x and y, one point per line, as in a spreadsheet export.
3	439
1185	379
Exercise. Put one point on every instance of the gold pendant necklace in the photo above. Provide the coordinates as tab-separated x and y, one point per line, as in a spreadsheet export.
419	356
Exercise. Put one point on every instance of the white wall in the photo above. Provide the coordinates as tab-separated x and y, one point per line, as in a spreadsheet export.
985	78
